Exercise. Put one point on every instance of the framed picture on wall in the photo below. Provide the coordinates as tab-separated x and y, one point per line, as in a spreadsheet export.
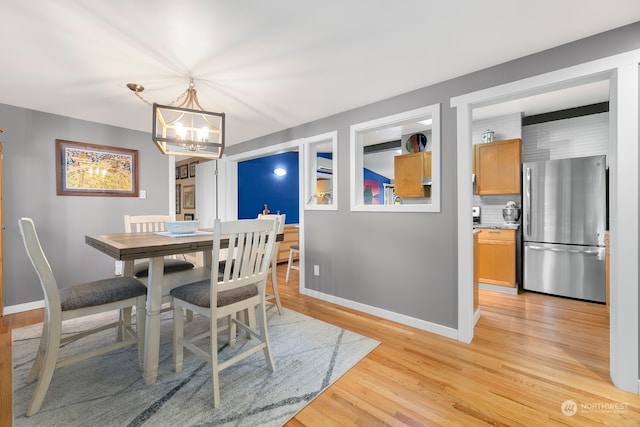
84	169
177	172
178	198
192	169
188	217
184	171
189	197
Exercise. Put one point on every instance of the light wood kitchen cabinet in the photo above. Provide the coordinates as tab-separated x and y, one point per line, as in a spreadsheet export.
497	166
291	235
475	272
497	257
411	173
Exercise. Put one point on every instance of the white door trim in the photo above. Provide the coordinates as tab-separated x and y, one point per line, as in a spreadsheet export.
622	71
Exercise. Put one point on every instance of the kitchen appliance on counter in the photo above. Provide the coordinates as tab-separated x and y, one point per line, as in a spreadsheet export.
476	215
511	213
564	219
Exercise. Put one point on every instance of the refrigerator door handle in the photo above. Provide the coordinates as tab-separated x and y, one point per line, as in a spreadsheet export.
527	216
542	248
590	251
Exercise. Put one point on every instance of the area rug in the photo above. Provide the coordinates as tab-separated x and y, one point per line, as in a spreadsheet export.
109	391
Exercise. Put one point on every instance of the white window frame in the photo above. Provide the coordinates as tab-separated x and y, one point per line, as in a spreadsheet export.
357	160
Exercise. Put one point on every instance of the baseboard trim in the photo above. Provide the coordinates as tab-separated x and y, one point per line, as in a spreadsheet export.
497	288
19	308
385	314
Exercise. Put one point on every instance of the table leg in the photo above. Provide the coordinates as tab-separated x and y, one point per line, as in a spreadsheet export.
127	271
207	259
128	268
152	333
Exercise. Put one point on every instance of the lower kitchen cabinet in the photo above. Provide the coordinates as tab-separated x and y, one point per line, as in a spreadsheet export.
497	257
475	272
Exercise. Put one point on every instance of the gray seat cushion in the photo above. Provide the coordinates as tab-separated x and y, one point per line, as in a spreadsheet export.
198	293
100	292
170	266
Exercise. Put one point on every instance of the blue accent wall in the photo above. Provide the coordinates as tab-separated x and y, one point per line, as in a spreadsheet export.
257	185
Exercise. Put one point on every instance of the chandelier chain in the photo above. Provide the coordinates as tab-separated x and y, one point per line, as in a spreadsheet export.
172	103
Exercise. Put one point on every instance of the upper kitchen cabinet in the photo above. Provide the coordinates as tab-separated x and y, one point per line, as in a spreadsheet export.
497	166
413	174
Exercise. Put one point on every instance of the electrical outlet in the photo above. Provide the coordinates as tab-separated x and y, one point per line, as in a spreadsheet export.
316	270
118	270
143	194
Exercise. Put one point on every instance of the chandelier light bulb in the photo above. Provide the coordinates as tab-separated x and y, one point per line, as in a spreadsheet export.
181	132
203	134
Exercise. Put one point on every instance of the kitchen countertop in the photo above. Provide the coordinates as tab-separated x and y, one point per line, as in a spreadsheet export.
503	226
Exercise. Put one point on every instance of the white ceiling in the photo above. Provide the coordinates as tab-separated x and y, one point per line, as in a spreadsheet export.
269	65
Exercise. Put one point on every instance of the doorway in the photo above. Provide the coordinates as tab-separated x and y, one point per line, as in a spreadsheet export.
622	73
228	175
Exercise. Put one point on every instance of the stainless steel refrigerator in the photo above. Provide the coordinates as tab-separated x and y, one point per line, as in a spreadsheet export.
563	221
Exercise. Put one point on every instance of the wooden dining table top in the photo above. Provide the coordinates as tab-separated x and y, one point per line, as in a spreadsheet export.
131	246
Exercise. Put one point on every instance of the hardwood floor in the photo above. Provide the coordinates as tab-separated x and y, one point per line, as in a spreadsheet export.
530	354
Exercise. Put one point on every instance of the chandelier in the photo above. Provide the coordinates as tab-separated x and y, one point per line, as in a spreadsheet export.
186	129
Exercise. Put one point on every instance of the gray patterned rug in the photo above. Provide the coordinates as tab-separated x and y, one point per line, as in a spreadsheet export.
109	391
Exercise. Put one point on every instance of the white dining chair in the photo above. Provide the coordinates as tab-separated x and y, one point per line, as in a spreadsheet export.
114	293
280	221
153	223
238	288
294	252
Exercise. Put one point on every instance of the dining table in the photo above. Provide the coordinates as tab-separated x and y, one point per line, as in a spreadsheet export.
154	246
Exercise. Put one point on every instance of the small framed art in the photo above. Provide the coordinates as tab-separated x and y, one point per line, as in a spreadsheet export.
192	169
184	171
189	197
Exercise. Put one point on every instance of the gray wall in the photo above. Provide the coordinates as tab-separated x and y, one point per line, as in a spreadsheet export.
407	262
62	222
